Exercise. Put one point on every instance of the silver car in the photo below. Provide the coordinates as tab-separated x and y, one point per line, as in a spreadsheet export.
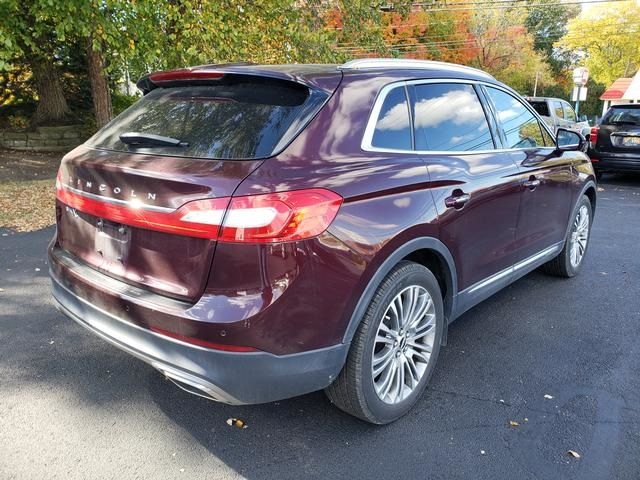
558	113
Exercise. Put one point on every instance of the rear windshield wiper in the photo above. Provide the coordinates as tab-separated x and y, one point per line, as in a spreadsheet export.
137	139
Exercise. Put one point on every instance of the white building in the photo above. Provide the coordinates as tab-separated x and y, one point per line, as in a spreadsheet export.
623	90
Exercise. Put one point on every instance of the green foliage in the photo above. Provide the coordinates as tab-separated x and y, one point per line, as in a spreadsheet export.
121	102
138	36
547	25
607	35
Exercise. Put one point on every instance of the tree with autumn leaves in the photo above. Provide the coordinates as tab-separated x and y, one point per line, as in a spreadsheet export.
513	41
519	42
138	36
606	39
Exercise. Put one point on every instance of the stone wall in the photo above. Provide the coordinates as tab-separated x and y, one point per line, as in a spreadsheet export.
45	139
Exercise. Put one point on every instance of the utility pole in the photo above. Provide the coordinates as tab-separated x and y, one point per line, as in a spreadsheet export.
535	85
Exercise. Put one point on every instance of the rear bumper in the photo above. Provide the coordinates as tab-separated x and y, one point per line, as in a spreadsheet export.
229	377
619	162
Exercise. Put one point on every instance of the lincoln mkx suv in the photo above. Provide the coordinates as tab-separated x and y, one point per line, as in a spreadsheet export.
260	232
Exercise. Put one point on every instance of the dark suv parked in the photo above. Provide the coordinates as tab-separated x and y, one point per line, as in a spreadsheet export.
615	142
260	232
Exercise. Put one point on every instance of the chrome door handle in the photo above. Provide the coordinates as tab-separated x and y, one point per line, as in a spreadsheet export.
457	201
532	183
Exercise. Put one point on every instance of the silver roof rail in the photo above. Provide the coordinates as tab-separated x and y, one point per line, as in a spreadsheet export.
407	63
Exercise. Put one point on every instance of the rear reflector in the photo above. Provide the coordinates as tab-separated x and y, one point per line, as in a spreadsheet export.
593	135
203	343
269	218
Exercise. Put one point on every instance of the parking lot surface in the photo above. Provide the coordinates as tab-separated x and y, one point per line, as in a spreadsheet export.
546	366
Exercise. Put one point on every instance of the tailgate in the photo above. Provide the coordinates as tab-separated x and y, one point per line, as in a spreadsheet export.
144	198
176	265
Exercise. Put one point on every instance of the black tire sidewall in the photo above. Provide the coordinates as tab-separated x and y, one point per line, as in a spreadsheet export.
383	412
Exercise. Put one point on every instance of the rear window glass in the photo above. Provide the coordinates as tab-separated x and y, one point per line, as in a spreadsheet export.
541	107
622	116
242	120
393	128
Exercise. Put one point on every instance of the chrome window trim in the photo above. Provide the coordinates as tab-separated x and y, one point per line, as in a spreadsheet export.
367	138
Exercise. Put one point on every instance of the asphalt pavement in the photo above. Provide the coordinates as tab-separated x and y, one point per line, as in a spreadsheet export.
560	358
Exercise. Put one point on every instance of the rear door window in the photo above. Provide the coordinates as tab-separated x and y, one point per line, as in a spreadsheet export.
569	114
449	117
520	127
245	119
557	108
393	127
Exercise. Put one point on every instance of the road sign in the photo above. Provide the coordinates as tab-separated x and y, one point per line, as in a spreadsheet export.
580	76
583	94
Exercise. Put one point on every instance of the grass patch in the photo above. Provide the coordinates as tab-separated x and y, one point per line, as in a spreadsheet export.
29	205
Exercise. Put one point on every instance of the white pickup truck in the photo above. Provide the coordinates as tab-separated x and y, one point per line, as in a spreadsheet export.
558	113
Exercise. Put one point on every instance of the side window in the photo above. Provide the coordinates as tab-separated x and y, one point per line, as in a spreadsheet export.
393	128
569	114
557	107
449	117
519	126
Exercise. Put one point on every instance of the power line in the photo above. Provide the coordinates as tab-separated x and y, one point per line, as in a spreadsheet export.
459	45
573	35
491	5
454	20
463	35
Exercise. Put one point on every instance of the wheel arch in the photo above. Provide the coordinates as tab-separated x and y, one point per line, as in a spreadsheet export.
427	251
590	191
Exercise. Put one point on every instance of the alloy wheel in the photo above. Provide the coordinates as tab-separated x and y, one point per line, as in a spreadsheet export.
579	236
403	344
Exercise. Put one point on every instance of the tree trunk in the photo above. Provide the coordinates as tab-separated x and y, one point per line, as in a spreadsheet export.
52	106
99	86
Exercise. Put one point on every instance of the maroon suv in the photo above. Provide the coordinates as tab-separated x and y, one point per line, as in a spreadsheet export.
260	232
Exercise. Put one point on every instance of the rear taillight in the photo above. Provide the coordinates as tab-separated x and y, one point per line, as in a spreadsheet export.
593	135
200	218
268	218
280	217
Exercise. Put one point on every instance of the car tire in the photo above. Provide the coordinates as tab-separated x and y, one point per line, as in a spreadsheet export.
358	389
567	264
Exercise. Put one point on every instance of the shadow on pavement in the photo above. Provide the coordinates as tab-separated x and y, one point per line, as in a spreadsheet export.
574	339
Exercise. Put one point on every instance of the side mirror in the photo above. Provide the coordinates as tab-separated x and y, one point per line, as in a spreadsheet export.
569	140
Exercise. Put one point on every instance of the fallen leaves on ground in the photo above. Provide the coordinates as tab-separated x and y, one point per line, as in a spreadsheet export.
236	422
548	397
513	423
28	205
573	453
